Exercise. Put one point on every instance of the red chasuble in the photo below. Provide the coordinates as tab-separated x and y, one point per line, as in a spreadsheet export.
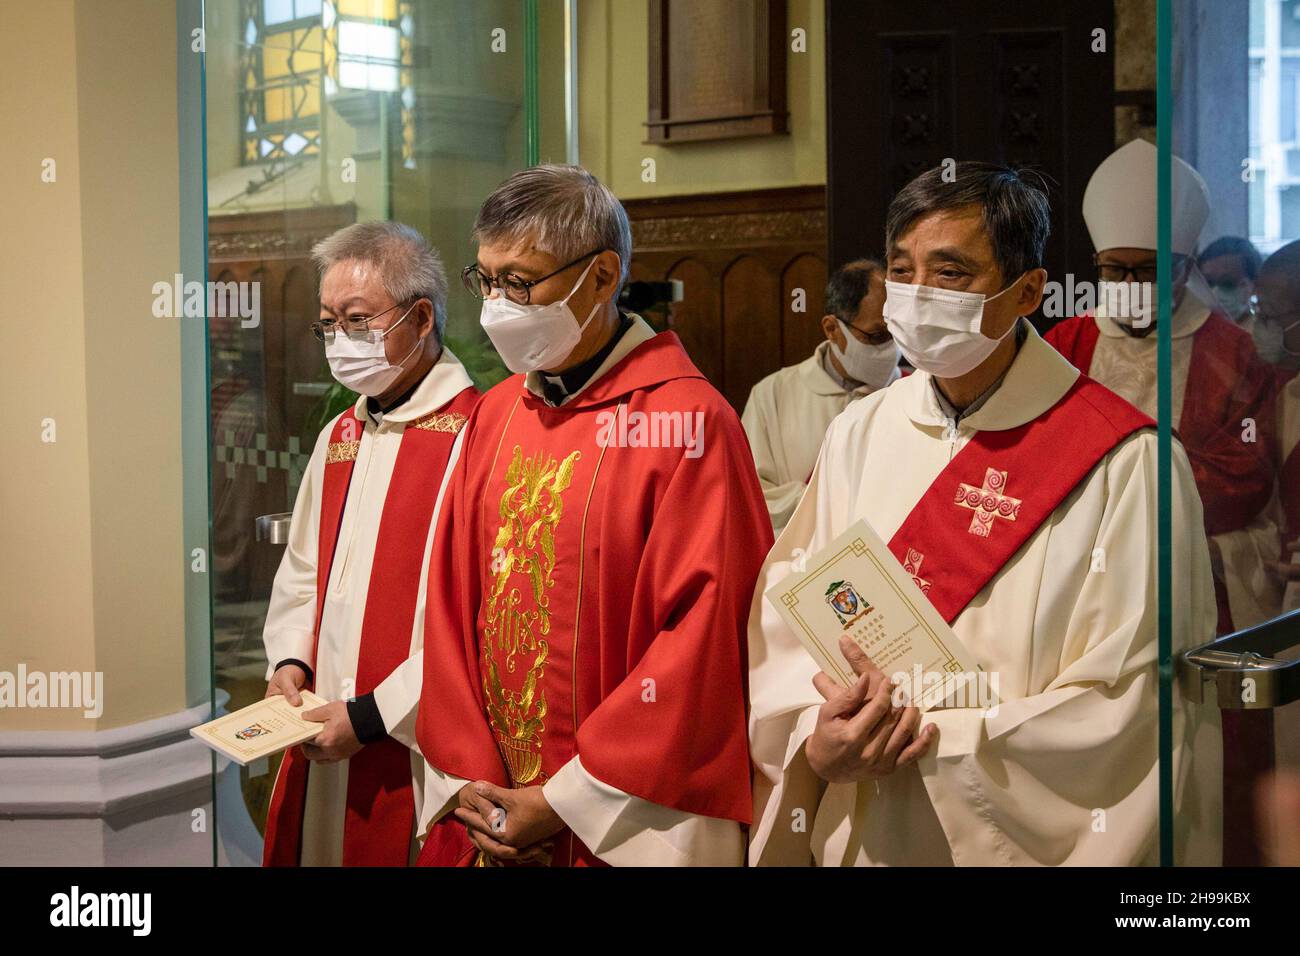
590	586
380	804
968	524
1226	384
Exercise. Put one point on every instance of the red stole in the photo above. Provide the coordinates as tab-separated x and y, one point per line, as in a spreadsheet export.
968	524
380	812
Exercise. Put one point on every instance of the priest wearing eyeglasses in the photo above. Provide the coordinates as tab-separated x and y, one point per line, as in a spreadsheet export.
584	700
347	609
1221	391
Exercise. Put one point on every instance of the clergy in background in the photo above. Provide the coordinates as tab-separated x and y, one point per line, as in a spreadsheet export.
347	609
788	411
1021	496
584	700
1222	392
1277	331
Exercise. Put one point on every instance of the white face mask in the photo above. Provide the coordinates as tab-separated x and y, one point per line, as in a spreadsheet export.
939	330
531	338
872	365
362	364
1270	341
1233	299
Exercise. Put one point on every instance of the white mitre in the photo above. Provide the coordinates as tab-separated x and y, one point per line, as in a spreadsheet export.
1119	204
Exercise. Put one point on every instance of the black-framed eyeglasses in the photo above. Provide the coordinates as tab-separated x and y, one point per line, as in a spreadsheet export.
1145	272
355	327
515	288
866	338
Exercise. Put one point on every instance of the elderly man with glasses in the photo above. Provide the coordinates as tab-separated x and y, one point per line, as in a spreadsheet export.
346	613
584	700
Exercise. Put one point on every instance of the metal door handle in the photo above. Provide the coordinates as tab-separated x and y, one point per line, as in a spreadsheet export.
273	528
1240	671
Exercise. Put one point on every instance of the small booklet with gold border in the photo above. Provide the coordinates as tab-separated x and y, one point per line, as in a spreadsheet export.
261	729
856	587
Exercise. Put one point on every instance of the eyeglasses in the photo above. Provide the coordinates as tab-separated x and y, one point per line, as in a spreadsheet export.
515	288
355	327
866	338
1146	272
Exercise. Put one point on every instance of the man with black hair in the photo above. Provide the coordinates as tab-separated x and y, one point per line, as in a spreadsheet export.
1022	498
788	411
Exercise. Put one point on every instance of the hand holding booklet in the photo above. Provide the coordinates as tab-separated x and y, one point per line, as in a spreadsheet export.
261	729
856	587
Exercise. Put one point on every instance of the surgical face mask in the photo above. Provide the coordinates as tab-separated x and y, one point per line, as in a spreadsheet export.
872	365
939	330
1270	341
531	338
361	364
1234	299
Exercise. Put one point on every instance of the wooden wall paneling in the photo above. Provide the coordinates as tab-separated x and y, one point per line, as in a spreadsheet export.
737	325
801	332
751	324
696	319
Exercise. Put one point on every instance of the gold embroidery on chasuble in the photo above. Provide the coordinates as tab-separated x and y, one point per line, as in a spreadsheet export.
520	568
341	451
450	422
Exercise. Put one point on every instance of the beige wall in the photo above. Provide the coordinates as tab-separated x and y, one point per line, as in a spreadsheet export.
92	564
613	80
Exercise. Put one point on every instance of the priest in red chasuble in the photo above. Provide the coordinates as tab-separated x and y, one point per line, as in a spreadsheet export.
584	697
1222	392
347	610
1022	498
1277	333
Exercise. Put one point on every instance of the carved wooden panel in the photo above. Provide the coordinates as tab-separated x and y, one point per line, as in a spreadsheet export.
717	69
741	256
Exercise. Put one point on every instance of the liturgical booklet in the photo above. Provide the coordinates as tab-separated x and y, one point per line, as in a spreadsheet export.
856	587
261	729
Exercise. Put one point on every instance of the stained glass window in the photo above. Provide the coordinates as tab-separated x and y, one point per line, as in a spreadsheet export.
281	64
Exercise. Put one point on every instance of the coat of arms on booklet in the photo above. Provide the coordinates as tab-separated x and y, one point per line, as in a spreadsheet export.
856	587
261	729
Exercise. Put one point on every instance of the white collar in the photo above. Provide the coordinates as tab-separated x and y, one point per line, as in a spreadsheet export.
1038	377
440	385
640	331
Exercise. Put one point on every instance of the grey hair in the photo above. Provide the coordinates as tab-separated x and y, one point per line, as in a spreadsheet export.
409	267
562	210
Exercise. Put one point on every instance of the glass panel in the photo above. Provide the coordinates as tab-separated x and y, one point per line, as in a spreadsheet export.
1229	353
320	115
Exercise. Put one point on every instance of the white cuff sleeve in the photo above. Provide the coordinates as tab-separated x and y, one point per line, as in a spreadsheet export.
623	830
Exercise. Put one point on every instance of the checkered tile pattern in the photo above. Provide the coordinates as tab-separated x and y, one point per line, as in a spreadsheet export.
229	452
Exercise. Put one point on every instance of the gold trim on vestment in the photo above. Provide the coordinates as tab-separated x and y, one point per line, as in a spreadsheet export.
341	451
449	422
